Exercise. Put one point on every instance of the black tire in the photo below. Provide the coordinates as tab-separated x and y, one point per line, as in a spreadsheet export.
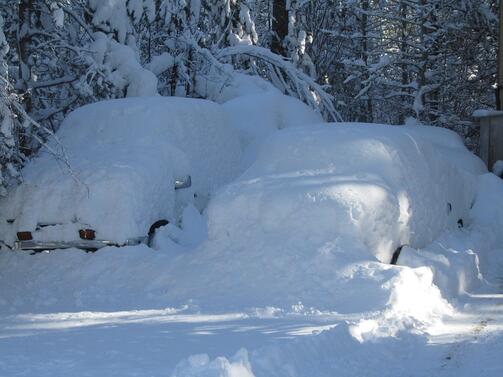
153	228
396	255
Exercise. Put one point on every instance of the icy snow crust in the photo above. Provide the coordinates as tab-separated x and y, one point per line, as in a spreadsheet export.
124	156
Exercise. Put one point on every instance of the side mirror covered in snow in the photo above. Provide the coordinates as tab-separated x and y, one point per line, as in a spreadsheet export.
184	182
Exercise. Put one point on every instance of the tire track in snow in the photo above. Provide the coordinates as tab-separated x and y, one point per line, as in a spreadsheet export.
453	355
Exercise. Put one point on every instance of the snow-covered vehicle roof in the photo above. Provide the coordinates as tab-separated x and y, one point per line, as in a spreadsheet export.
124	156
257	116
378	186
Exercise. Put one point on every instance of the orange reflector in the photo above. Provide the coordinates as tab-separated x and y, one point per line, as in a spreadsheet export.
24	236
87	234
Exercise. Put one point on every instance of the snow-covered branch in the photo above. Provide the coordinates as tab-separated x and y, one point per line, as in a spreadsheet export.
291	79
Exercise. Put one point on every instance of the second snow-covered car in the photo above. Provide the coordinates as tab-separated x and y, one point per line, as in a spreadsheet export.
112	175
349	187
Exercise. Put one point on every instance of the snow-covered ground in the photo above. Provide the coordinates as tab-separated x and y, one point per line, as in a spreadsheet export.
266	341
286	273
153	342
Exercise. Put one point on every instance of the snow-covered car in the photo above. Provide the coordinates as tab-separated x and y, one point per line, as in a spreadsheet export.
357	186
117	170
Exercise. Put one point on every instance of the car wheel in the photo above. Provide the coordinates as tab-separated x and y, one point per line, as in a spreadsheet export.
396	254
153	228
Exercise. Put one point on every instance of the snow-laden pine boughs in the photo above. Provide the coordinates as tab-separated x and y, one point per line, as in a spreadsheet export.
119	17
389	60
298	39
73	53
187	60
10	155
119	70
374	60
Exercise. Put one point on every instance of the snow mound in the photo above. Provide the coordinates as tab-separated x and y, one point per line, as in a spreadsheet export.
124	157
334	352
223	84
314	216
201	366
498	168
378	186
488	204
308	222
191	233
257	116
456	271
414	304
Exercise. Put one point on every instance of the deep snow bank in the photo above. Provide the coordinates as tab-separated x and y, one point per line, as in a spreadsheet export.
306	223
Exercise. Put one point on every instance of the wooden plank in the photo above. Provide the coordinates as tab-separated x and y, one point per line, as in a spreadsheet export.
484	139
495	141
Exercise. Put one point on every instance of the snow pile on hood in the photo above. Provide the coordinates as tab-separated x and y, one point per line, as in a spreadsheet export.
378	187
124	155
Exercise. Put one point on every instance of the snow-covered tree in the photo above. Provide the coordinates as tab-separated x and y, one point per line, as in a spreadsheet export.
372	60
392	60
289	35
10	155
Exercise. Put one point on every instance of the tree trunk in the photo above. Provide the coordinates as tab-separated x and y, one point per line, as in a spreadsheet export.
403	48
499	92
279	26
23	41
368	108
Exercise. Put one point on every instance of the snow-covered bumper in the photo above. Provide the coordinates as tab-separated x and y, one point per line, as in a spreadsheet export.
79	244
